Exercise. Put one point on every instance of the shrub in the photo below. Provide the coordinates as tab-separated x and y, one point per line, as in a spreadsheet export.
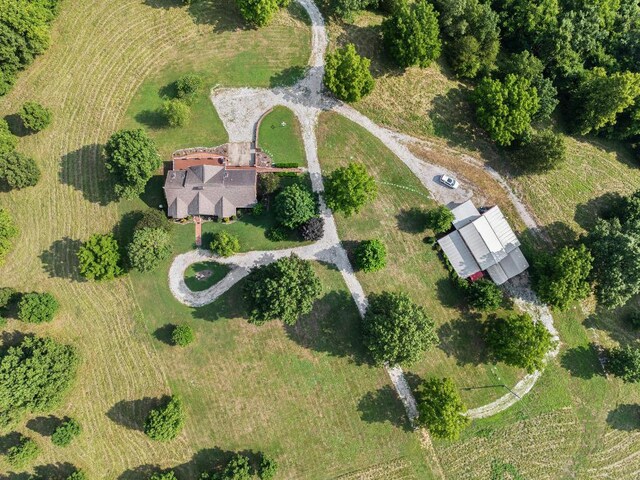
284	289
175	112
182	335
132	158
312	229
163	476
225	244
99	258
37	307
7	296
188	86
64	434
347	74
519	341
285	165
440	219
294	205
258	209
258	12
34	375
396	330
20	455
277	233
345	9
268	468
546	151
18	170
371	255
165	423
441	409
484	295
348	189
153	218
624	362
77	475
238	468
8	141
8	230
412	34
148	248
35	117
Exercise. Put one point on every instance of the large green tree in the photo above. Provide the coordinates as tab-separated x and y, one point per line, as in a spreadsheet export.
132	158
34	376
517	340
258	12
544	152
165	422
347	74
439	219
371	255
349	188
396	330
527	24
294	205
624	362
412	35
284	289
563	278
148	248
35	117
176	112
441	409
37	307
505	108
99	257
18	170
8	231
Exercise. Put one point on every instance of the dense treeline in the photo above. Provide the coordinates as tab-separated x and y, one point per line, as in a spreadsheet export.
24	34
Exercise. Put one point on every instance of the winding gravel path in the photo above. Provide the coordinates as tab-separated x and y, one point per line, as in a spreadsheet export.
241	108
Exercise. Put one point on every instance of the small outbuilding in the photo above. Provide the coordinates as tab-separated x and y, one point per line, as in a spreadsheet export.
483	242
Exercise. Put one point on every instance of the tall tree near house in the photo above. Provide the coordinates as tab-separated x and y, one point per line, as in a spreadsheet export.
349	188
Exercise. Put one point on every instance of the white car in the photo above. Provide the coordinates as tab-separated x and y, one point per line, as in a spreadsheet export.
449	181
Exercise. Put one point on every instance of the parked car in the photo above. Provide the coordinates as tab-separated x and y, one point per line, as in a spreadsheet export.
449	181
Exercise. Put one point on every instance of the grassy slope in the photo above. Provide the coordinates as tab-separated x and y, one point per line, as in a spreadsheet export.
413	266
100	55
284	144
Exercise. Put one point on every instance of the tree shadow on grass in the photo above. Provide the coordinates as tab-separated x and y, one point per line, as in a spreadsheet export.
223	16
9	440
448	294
287	77
60	260
163	333
582	361
84	169
332	327
10	339
45	426
133	413
16	125
461	339
153	119
228	306
153	195
625	417
55	471
383	406
412	220
605	206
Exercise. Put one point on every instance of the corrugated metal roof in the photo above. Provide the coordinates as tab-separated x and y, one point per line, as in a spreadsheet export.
464	214
459	255
497	274
483	243
501	227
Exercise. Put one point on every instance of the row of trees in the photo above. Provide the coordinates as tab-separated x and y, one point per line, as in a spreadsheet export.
176	111
238	467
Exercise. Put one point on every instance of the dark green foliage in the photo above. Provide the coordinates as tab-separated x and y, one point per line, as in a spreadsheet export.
527	24
268	183
224	244
8	231
188	86
563	278
294	205
23	453
8	140
238	468
24	34
285	165
484	295
7	296
34	376
624	362
346	9
132	159
163	476
544	152
519	341
633	319
440	219
258	12
176	112
441	409
348	189
182	335
505	108
152	218
277	233
471	33
396	330
284	289
35	117
412	34
268	468
371	255
37	307
313	229
99	257
165	423
347	74
148	248
78	475
18	170
64	434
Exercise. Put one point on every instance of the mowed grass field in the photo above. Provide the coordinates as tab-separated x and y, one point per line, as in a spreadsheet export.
281	138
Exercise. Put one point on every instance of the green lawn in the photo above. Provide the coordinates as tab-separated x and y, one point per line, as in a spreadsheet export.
397	218
281	138
214	272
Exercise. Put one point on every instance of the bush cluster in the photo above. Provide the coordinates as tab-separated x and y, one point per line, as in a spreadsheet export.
371	255
35	117
23	453
37	307
165	423
64	433
225	244
18	170
312	229
182	335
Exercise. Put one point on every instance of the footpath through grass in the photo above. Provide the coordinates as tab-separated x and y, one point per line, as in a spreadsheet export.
281	138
